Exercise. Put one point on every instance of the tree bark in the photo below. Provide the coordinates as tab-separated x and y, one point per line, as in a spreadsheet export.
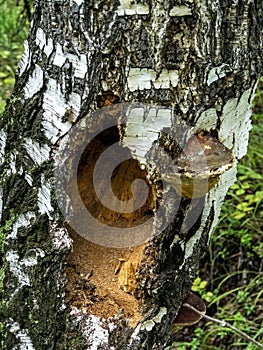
197	62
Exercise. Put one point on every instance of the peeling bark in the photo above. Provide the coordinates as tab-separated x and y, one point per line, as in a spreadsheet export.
195	63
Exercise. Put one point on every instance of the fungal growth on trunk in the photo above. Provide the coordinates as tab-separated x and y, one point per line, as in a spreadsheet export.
186	316
199	166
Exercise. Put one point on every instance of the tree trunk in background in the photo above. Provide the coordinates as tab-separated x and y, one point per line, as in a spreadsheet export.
200	60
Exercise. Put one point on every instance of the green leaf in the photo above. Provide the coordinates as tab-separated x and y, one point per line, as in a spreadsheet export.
239	215
203	284
259	195
245	185
240	192
197	281
249	172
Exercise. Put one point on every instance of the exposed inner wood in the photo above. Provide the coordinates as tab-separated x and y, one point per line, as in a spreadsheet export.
102	280
92	284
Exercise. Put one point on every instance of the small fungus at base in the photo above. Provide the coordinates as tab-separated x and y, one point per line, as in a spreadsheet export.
187	316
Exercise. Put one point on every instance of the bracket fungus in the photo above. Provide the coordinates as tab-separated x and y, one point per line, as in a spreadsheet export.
187	316
199	166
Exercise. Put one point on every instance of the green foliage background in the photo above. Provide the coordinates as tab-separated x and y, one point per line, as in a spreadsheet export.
231	274
13	31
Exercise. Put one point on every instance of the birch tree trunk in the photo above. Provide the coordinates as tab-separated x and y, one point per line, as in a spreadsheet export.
147	76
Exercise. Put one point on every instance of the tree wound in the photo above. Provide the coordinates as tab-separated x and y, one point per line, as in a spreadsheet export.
101	280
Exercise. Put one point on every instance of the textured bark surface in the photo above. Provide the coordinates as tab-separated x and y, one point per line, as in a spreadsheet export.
201	60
